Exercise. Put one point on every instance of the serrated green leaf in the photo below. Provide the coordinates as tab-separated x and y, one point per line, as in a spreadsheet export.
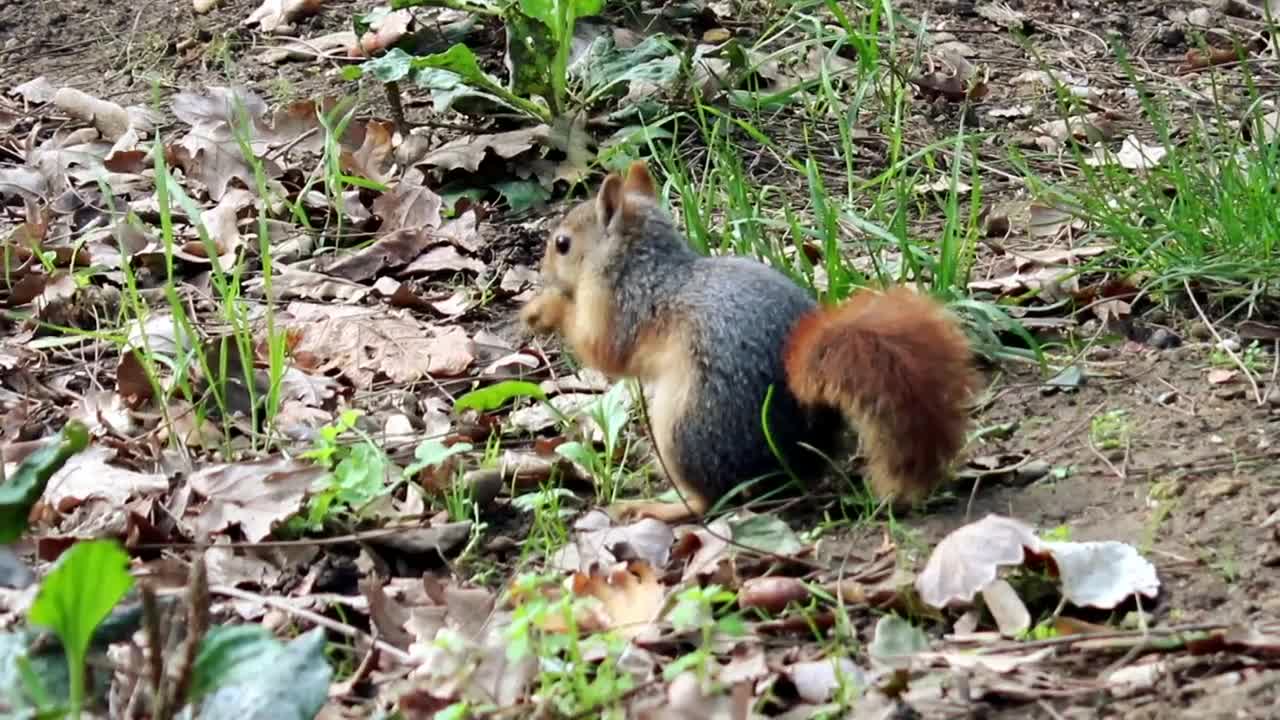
25	486
492	397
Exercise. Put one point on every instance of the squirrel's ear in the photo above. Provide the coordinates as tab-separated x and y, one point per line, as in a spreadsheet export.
609	200
639	181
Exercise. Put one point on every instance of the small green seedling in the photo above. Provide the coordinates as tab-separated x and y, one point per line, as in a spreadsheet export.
75	597
357	472
695	611
610	414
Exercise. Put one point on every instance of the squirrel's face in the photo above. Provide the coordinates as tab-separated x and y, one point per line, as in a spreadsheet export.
577	249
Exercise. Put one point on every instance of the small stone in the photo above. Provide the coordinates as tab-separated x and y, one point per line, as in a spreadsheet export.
1168	397
1199	331
1162	339
1233	392
1200	17
1230	344
1031	472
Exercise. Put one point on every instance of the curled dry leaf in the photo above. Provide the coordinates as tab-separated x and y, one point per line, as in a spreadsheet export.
771	593
599	543
1093	574
970	558
1102	574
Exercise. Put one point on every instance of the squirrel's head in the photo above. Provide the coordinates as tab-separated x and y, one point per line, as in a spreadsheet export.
587	229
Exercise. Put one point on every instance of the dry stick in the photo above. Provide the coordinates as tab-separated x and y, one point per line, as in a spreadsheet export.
314	617
1085	637
1222	344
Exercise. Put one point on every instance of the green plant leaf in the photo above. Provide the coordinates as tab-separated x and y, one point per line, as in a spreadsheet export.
27	483
544	11
433	452
225	648
279	682
896	641
88	580
492	397
766	533
522	195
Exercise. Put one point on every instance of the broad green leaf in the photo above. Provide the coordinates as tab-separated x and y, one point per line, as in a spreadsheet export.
522	194
766	533
492	397
25	486
393	66
530	51
545	11
279	682
896	641
430	453
225	648
88	580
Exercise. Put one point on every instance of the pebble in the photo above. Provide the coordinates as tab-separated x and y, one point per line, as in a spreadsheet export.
1162	339
1199	331
1231	392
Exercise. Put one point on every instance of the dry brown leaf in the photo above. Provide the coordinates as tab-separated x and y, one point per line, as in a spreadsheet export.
365	344
373	159
253	495
598	543
293	283
387	253
467	152
631	597
90	477
408	207
444	258
311	48
273	15
390	29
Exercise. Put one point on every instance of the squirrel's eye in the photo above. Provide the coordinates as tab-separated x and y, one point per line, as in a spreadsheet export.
562	244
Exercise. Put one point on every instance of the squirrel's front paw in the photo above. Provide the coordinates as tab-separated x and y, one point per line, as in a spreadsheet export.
631	511
542	314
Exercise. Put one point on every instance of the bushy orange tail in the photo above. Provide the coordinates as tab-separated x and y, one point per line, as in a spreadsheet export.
901	369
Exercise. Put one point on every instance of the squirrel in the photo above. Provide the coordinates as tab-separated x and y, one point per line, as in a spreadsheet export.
711	338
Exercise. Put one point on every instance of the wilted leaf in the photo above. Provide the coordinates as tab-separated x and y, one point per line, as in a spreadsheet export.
468	151
969	558
767	534
90	476
1102	574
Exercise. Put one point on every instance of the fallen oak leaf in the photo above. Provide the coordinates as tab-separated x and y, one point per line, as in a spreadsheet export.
630	594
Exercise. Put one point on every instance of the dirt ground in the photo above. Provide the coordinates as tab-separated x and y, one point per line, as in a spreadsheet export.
1193	482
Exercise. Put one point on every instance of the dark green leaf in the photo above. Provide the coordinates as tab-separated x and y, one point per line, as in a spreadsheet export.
522	194
225	648
27	483
280	682
393	66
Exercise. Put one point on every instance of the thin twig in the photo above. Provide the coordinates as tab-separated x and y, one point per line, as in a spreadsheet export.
1257	393
317	618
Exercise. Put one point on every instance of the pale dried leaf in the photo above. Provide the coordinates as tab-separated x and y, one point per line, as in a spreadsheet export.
970	557
1102	574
